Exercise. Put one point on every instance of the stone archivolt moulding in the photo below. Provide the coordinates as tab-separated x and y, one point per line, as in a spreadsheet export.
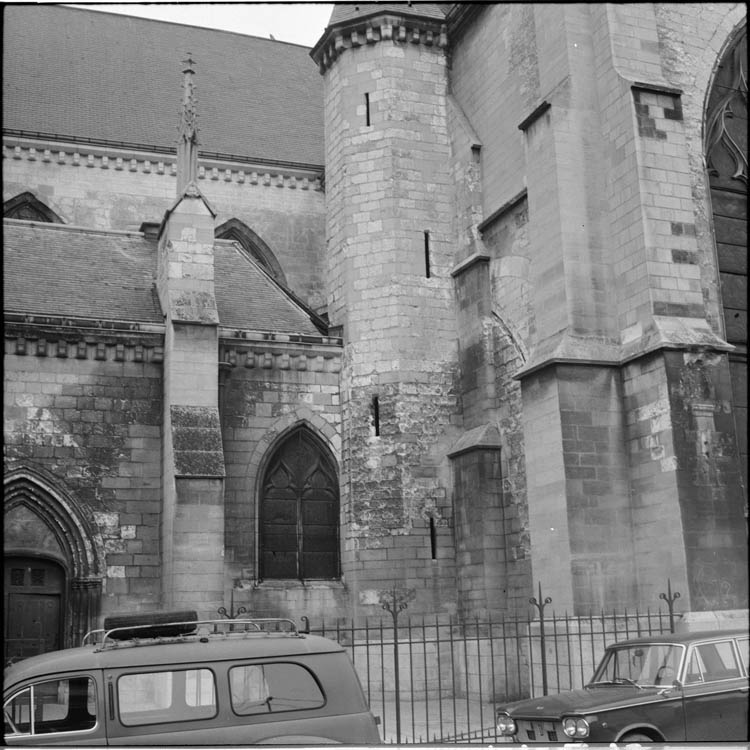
99	157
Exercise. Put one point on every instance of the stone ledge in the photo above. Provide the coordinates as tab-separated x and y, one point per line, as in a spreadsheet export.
727	619
661	332
485	437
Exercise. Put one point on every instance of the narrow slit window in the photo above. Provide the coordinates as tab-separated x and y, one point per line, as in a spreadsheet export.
433	538
367	109
427	254
375	413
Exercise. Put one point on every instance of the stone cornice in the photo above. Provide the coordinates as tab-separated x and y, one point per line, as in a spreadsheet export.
115	341
79	343
376	27
126	159
255	350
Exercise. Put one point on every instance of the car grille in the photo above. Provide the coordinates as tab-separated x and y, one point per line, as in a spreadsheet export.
539	731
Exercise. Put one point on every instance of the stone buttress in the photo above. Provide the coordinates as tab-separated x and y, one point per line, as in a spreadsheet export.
193	477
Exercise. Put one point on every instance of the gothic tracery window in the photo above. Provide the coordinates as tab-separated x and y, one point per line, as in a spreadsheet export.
28	207
239	232
726	160
299	512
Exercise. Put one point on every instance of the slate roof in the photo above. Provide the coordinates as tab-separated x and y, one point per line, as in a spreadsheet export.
248	298
51	269
103	76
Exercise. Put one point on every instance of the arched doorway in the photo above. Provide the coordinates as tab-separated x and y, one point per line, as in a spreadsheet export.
299	511
53	573
726	159
33	598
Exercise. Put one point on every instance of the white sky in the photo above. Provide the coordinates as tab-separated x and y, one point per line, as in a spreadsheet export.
299	23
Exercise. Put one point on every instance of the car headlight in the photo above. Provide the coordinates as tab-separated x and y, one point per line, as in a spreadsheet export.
505	725
575	727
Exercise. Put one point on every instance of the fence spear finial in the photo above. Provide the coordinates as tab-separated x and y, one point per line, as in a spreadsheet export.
670	599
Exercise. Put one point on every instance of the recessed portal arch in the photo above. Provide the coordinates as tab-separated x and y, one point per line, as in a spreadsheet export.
52	565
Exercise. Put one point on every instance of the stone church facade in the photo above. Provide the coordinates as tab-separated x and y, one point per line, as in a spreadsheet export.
453	304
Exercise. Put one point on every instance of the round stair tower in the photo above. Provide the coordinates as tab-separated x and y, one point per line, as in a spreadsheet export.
389	194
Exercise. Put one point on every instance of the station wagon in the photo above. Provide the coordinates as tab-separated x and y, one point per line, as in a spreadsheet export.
189	682
687	687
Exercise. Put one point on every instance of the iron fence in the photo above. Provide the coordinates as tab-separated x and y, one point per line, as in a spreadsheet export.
439	680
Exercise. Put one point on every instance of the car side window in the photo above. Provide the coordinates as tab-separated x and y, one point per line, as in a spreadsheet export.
710	662
170	695
67	705
274	687
744	646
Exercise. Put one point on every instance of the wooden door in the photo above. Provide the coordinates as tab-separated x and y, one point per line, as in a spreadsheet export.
33	607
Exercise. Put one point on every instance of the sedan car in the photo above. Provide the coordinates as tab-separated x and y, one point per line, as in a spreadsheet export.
667	688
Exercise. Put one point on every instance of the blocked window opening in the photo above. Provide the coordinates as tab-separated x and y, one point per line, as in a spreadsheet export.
427	254
299	512
375	415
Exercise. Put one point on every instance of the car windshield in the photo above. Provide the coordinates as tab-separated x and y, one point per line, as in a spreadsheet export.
641	665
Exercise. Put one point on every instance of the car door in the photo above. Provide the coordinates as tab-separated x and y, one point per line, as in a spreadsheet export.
162	705
63	710
715	692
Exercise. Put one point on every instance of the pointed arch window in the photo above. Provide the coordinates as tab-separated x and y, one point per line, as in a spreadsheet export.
238	231
28	207
726	159
299	511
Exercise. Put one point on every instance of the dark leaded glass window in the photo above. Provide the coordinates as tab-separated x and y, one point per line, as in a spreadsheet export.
28	207
299	514
726	158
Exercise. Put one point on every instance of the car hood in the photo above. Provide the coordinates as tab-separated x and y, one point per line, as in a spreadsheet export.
583	700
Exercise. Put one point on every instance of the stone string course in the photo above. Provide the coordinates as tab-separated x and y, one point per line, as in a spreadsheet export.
98	158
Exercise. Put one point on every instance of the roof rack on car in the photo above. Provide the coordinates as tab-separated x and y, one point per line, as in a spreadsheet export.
157	627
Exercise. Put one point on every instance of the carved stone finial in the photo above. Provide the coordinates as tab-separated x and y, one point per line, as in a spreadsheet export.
187	147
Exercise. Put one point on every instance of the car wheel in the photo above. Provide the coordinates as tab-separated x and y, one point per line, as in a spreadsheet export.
636	737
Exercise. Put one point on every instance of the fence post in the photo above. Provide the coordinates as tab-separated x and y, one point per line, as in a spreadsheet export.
231	615
670	598
394	602
540	605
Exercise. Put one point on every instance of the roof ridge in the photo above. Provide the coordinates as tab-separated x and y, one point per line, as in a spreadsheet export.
178	23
